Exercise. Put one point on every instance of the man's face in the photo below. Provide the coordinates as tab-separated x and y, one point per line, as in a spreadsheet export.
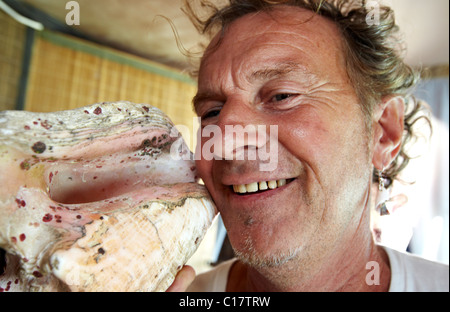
280	71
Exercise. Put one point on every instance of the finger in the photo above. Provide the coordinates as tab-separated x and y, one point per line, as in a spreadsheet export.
183	279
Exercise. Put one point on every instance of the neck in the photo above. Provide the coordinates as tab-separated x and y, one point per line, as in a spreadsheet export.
355	264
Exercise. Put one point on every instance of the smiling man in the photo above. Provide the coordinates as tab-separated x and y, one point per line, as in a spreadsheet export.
317	72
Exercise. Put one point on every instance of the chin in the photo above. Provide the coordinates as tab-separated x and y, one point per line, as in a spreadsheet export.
257	258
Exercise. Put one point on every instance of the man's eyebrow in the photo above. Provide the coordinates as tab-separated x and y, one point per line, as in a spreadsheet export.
200	97
277	70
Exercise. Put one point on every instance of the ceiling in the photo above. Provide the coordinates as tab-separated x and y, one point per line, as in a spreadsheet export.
136	26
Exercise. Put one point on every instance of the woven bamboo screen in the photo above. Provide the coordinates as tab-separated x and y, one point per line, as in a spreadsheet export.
66	73
12	42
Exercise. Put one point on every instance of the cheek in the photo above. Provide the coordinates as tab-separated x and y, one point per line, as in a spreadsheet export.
307	138
203	169
329	147
205	172
203	166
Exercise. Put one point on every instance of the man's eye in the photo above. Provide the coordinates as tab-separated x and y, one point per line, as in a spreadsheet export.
281	97
211	114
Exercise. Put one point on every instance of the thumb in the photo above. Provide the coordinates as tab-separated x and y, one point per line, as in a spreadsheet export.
183	279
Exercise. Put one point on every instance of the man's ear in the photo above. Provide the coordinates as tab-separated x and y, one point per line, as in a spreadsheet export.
388	130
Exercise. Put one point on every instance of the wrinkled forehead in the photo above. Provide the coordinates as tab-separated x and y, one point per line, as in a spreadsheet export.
284	24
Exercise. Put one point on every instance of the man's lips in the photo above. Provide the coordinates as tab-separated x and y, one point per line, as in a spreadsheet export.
260	186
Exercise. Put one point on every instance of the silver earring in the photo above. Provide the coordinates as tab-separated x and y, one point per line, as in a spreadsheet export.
382	196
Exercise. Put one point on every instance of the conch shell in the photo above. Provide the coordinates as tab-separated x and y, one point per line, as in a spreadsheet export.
99	198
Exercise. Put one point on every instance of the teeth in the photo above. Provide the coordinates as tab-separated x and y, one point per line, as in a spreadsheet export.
258	186
263	185
240	188
272	185
252	187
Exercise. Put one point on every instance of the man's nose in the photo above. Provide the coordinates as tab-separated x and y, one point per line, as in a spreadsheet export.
243	132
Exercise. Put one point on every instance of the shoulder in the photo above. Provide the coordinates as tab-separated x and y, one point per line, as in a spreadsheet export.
413	273
214	280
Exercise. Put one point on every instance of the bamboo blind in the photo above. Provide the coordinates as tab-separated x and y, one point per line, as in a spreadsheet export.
12	42
67	73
